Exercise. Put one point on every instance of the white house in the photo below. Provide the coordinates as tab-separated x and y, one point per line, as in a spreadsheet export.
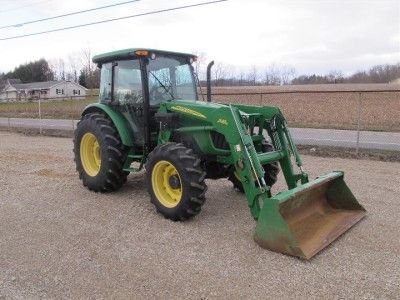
14	90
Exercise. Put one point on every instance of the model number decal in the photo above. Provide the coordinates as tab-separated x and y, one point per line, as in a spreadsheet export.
222	121
188	111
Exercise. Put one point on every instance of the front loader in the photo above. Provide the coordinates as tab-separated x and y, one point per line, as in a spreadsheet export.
149	116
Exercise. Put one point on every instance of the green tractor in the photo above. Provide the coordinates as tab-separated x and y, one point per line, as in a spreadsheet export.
149	116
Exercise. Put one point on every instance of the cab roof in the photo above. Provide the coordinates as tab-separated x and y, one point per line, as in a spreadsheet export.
130	53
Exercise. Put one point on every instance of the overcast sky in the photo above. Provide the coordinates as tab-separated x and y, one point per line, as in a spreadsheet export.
314	36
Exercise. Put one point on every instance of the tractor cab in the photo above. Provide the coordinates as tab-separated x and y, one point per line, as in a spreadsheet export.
136	81
134	77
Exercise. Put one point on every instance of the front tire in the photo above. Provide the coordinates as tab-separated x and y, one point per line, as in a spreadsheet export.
99	154
175	181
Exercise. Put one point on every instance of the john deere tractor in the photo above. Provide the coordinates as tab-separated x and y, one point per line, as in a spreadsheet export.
149	115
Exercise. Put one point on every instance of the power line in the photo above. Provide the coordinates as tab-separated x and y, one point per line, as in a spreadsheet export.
23	6
111	20
68	14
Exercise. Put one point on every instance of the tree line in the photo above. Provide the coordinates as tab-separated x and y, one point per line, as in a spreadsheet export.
278	74
376	74
78	67
275	75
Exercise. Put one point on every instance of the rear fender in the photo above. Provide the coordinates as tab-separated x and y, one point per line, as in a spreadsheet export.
119	121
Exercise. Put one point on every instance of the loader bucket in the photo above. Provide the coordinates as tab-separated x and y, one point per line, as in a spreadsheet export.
304	220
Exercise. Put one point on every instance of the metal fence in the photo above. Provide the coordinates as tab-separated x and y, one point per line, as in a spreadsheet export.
356	119
368	119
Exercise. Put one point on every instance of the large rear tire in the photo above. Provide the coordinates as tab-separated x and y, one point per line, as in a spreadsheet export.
271	170
175	181
99	154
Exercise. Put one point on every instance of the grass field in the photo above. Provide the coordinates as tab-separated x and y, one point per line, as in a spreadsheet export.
323	106
56	109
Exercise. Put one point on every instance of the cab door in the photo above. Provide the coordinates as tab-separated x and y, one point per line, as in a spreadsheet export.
121	87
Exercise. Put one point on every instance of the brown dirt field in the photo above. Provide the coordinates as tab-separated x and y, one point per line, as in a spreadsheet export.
379	110
59	240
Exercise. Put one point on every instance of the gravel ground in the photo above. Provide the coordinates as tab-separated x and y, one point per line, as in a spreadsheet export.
59	240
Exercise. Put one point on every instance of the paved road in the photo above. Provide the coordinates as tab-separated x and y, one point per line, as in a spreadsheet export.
303	136
347	138
36	123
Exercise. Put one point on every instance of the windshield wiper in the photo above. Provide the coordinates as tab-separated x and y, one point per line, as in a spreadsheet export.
163	86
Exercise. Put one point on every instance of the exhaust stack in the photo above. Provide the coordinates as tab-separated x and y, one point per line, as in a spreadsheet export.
209	81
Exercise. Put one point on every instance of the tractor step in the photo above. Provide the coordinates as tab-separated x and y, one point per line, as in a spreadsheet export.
132	170
135	156
131	159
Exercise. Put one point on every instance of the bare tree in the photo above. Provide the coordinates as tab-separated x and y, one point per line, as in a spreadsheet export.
73	66
200	64
57	66
287	73
335	76
241	78
61	68
272	75
219	73
252	76
278	74
89	69
53	67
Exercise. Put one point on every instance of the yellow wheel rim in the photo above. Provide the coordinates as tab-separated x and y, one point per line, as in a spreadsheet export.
90	154
163	173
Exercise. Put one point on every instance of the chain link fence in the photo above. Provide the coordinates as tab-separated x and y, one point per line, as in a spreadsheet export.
59	113
356	119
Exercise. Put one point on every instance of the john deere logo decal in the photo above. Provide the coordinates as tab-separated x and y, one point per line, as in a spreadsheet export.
188	111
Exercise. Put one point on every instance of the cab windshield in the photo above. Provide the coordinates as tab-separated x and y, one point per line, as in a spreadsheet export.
170	78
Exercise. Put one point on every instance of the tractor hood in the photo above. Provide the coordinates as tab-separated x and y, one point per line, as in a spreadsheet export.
198	109
207	111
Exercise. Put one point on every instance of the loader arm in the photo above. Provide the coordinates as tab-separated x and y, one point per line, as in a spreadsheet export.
228	120
299	221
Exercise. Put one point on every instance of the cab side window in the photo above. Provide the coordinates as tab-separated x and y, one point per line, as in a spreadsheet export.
127	82
105	83
184	83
